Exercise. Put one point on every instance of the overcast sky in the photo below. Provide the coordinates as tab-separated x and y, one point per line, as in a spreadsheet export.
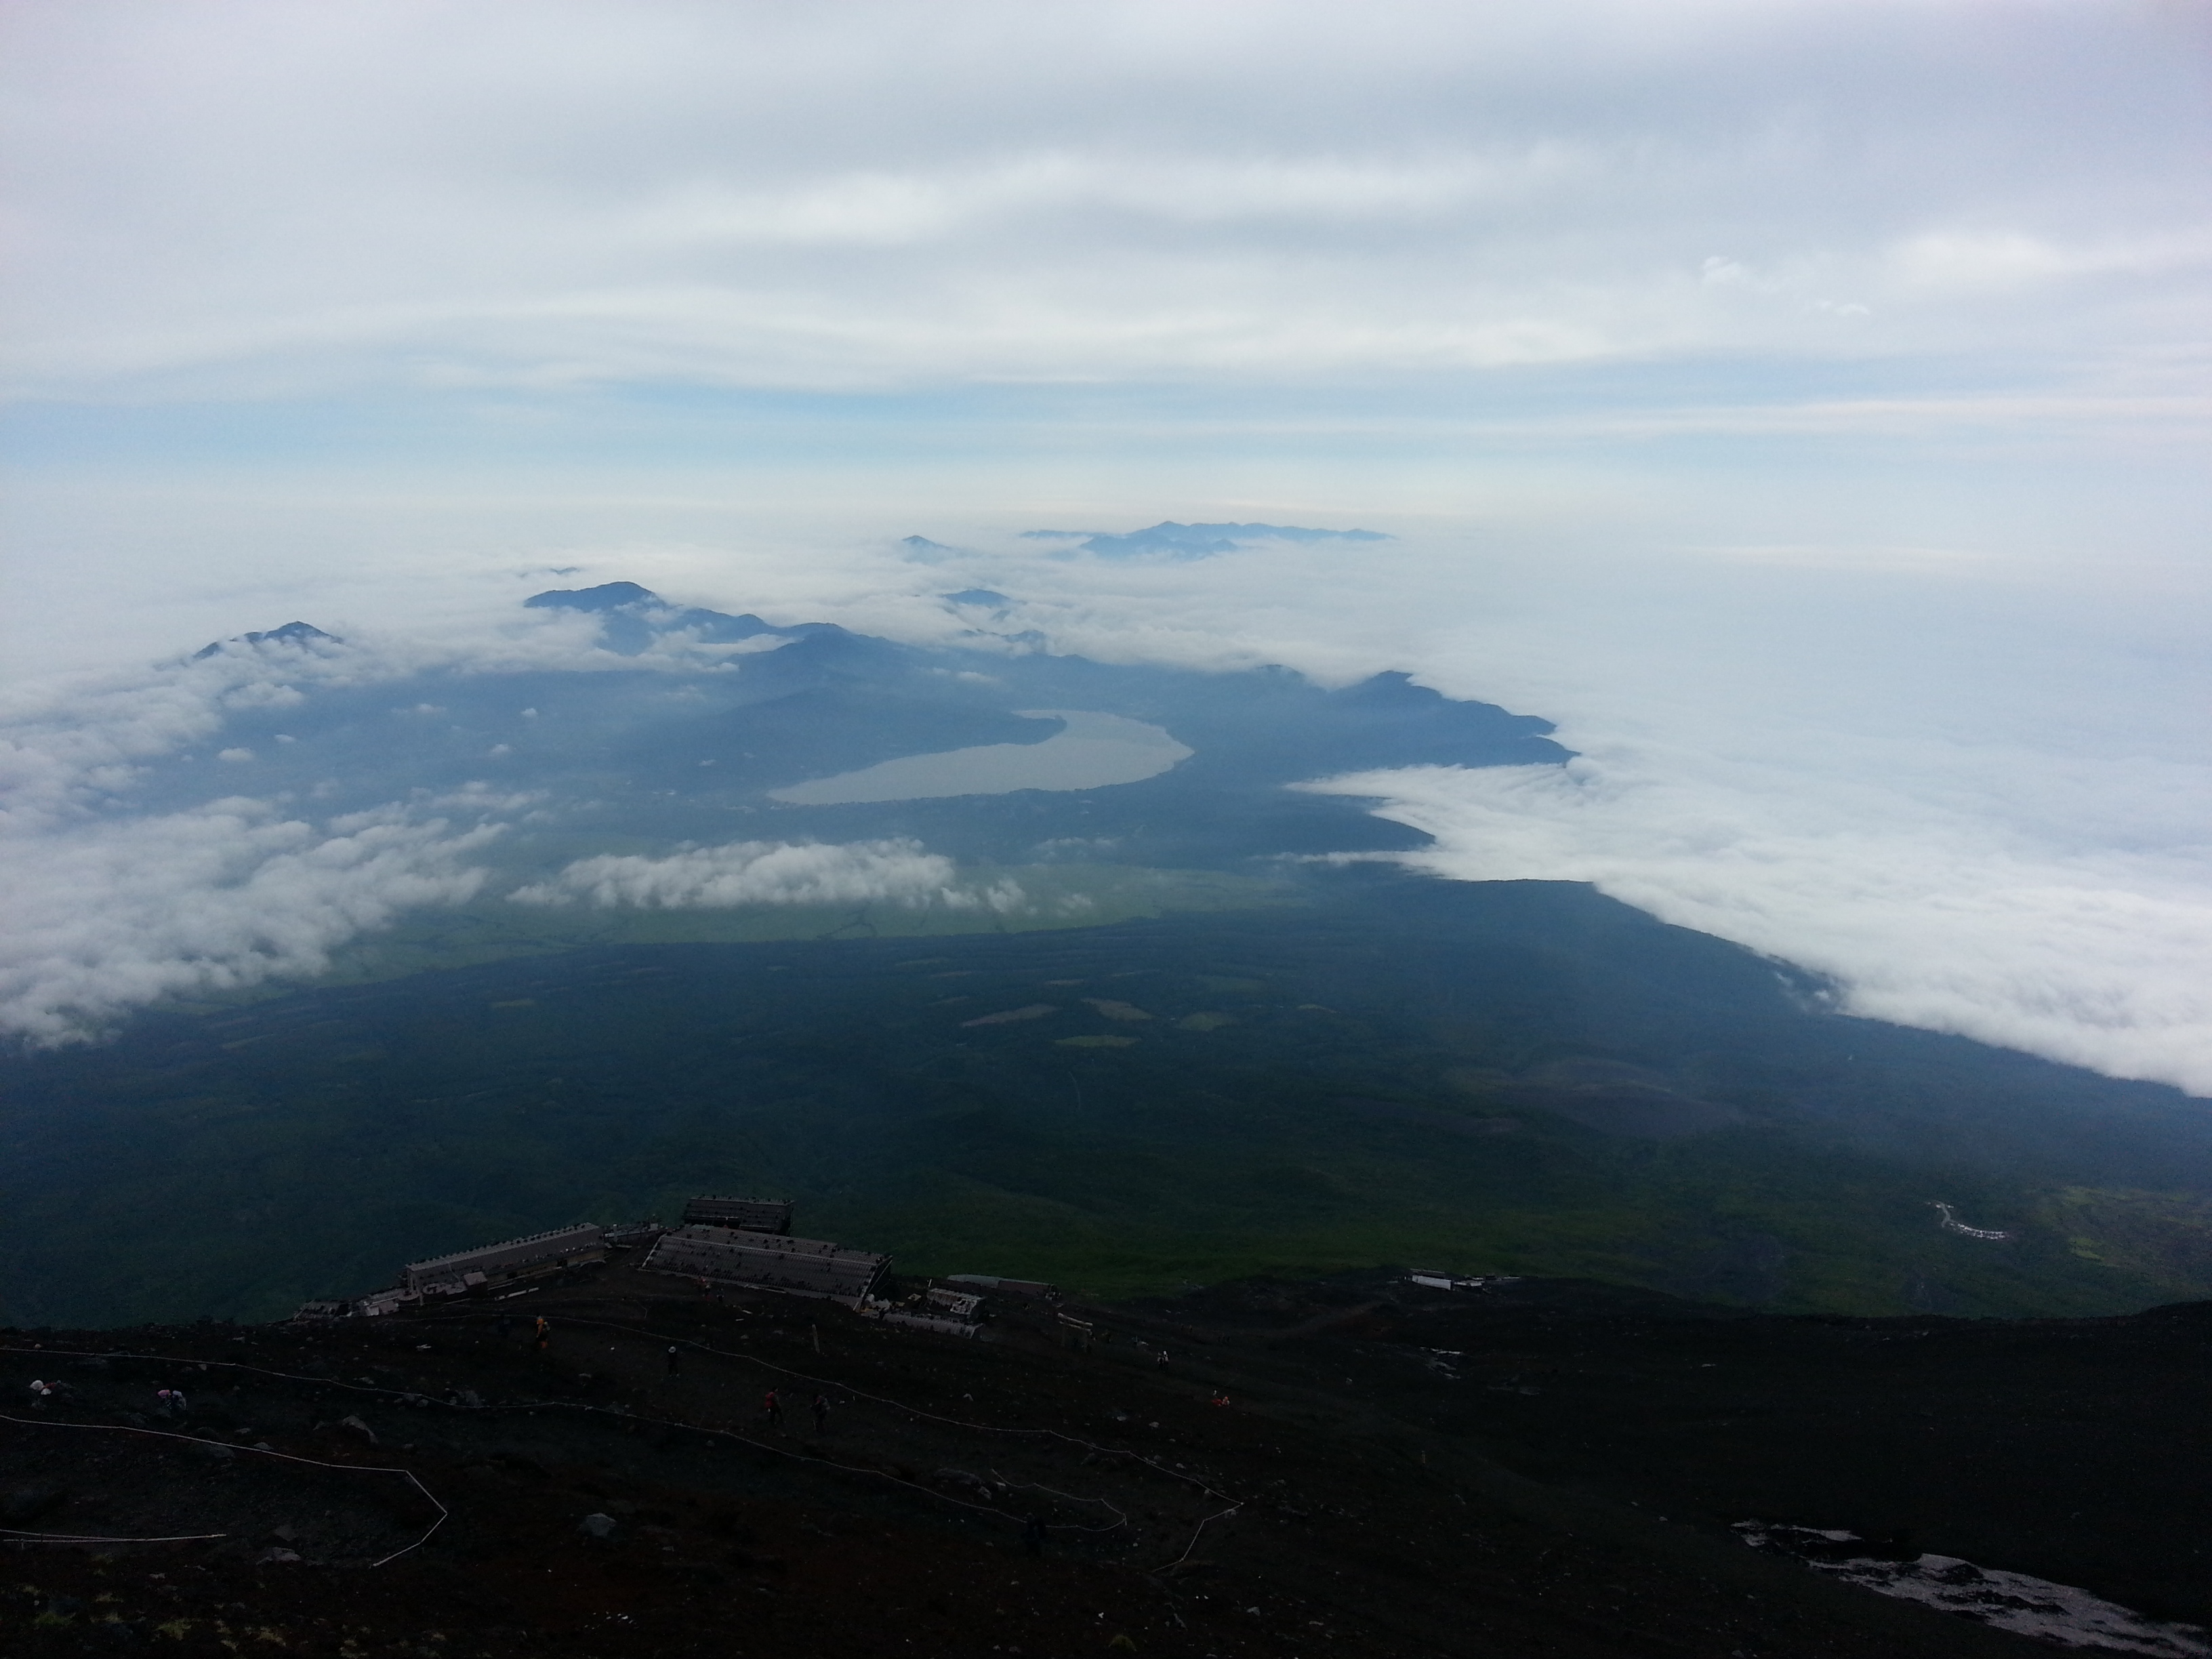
1804	404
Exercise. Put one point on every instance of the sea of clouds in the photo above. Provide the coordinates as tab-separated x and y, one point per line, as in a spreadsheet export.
2015	855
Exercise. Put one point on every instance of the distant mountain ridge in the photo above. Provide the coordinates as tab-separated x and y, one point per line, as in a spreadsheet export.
634	617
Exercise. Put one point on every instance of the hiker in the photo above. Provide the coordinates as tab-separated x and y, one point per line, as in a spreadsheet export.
1160	1359
774	1408
41	1391
675	1360
820	1406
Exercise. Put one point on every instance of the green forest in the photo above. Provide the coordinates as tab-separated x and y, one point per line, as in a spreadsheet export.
1518	1077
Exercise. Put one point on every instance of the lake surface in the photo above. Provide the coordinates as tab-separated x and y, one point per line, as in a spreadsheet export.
1090	751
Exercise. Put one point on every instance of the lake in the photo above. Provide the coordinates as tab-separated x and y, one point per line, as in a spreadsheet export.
1090	751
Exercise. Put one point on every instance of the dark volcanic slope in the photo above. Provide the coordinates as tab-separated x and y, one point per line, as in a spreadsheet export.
2078	1450
1356	1494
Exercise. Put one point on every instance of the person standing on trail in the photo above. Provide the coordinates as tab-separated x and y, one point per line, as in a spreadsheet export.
675	1360
773	1408
820	1406
1160	1360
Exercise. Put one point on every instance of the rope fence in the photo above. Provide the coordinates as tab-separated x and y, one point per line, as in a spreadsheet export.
444	1514
415	1396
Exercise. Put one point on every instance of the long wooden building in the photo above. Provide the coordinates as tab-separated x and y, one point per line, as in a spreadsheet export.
800	1266
514	1258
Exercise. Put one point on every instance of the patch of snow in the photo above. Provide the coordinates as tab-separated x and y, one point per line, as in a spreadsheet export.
2058	1613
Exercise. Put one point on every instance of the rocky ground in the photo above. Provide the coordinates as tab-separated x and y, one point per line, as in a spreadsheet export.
1352	1467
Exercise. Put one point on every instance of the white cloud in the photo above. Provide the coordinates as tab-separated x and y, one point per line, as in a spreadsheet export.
772	872
1988	262
1922	915
877	195
109	917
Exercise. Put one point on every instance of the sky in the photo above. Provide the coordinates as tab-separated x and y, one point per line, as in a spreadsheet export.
1802	403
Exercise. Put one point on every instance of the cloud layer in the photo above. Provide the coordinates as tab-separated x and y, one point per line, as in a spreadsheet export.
771	872
260	198
115	916
1919	915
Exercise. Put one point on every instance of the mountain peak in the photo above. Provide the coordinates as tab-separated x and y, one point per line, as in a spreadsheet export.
292	633
608	596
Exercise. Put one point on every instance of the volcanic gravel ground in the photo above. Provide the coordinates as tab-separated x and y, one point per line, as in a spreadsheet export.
2078	1450
1359	1494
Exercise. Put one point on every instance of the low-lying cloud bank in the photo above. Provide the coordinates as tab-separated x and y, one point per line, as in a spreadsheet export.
2098	957
116	915
896	872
